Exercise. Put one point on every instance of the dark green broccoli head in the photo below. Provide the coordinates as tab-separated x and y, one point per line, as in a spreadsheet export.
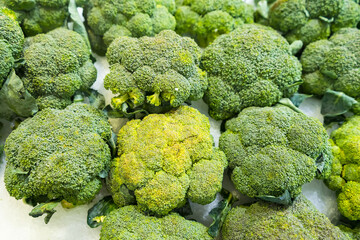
271	221
165	159
57	64
109	19
251	66
130	223
312	20
272	150
345	176
58	154
205	20
157	71
333	64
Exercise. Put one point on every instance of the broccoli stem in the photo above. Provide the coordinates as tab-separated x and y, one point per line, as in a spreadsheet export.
154	99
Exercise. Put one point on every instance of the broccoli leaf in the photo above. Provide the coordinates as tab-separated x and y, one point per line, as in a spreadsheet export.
287	102
79	26
284	199
336	103
298	98
44	208
98	212
97	100
15	99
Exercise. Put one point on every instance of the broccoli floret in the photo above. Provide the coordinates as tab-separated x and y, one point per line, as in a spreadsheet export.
165	159
57	64
109	19
130	223
264	220
345	175
205	20
58	155
333	64
157	71
312	20
251	66
274	150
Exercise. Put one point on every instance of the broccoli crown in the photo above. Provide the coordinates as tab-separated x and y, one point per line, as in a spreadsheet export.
165	159
58	154
158	71
333	64
345	176
264	220
312	20
57	64
205	20
272	150
109	19
251	66
129	223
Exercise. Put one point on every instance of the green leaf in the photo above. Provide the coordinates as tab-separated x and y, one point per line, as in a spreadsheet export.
99	211
79	26
44	208
284	199
287	102
15	100
336	103
298	98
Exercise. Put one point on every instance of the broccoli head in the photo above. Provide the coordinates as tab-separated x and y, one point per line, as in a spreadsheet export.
264	220
58	155
165	159
205	20
345	176
109	19
333	64
155	72
273	151
251	66
312	20
57	64
130	223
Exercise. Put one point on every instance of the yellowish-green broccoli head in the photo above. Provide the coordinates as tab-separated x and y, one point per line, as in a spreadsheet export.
57	64
273	151
312	20
205	20
333	64
165	159
109	19
130	223
58	155
264	220
345	176
251	66
155	72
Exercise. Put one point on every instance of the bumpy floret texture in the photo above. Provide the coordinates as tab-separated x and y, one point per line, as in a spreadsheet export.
58	154
157	71
272	150
130	223
312	20
333	64
205	20
109	19
165	159
251	66
270	221
57	64
345	175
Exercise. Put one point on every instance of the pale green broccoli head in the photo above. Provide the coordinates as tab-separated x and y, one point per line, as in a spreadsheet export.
57	64
274	150
264	220
345	175
158	71
205	20
58	155
312	20
251	66
109	19
130	223
166	159
333	64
